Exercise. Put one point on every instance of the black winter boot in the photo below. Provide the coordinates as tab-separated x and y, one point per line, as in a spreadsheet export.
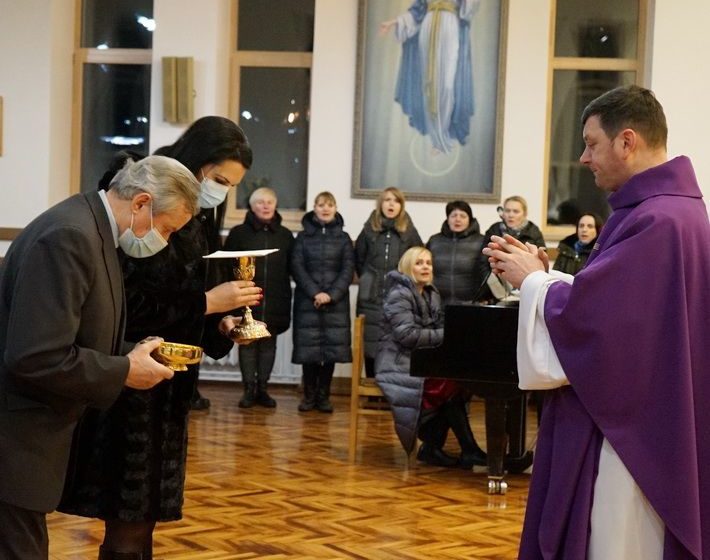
471	453
323	403
247	400
105	554
198	402
262	397
435	456
310	380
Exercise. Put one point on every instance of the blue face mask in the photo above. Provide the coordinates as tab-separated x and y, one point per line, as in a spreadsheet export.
141	247
212	194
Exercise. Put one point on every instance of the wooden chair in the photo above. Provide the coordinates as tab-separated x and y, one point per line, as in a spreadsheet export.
362	389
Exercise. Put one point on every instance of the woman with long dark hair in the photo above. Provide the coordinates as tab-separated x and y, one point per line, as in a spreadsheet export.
574	250
129	463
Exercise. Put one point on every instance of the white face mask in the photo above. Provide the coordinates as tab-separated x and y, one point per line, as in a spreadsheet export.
141	247
212	194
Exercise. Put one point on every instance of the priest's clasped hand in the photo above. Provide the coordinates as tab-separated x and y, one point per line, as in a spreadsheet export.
514	261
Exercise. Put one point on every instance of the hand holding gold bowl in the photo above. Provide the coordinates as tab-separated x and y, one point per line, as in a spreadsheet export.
177	356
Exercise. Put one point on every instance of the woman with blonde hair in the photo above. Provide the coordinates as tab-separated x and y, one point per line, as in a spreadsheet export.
514	221
422	407
384	238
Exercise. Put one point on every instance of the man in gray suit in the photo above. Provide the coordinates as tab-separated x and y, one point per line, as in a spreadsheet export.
61	332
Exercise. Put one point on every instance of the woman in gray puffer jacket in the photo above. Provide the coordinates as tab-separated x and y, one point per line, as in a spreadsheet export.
422	407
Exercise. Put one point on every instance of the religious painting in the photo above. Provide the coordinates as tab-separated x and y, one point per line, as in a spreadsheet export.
429	99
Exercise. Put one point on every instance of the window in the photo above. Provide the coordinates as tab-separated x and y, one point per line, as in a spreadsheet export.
112	74
597	47
270	87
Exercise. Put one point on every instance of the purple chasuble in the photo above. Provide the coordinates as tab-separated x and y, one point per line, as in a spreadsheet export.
631	336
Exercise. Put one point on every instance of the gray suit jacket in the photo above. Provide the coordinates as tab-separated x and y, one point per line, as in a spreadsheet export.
61	340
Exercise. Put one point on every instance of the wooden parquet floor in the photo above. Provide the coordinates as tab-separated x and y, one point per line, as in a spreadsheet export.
274	484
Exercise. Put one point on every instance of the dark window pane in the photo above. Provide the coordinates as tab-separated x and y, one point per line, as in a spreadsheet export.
275	25
115	116
601	29
571	185
127	24
274	113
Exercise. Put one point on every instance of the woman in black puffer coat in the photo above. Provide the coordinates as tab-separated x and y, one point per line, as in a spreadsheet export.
262	229
574	250
384	238
456	251
424	408
322	265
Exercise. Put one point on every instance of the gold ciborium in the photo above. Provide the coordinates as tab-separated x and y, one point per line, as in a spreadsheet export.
177	356
248	329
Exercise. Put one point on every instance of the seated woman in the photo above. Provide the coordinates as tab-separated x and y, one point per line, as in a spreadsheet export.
574	250
424	408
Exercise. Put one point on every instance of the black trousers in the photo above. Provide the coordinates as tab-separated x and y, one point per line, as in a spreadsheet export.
23	534
256	360
319	370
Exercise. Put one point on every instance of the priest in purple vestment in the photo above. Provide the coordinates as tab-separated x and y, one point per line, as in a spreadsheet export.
622	465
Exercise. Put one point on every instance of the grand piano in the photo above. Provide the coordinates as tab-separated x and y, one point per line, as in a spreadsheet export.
479	350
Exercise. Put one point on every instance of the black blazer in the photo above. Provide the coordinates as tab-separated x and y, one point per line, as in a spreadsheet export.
61	332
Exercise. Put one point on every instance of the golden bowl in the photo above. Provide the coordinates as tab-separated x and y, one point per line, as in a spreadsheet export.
177	356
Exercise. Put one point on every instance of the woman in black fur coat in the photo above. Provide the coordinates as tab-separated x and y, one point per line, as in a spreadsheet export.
129	461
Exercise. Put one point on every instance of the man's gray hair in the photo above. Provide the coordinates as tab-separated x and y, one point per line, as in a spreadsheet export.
168	181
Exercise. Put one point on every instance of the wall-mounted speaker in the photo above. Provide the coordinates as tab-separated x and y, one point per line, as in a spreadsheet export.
178	89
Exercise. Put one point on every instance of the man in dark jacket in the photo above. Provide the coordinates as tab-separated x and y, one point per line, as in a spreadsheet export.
62	318
262	229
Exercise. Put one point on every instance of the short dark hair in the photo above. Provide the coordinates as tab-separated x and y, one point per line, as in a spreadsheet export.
630	107
459	205
210	140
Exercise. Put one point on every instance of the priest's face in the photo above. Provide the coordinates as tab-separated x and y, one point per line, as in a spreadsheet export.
603	156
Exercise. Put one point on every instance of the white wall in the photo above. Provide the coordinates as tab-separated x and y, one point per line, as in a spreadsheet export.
35	80
199	30
680	77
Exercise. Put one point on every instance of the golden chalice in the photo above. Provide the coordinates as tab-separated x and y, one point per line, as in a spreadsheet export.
249	329
177	356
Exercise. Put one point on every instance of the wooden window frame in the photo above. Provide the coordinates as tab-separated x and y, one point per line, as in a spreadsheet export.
637	65
256	59
83	56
